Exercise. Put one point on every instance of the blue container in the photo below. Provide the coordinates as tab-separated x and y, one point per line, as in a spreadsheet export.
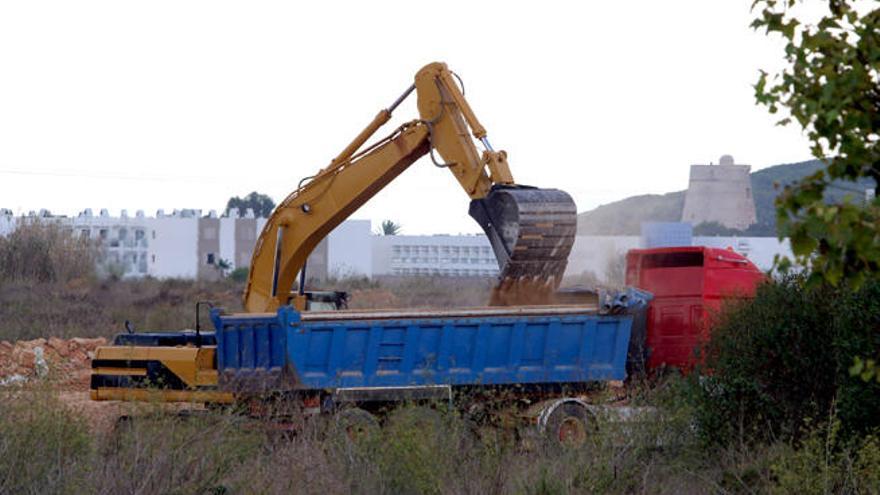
288	350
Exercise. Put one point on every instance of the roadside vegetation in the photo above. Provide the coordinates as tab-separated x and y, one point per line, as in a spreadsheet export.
776	405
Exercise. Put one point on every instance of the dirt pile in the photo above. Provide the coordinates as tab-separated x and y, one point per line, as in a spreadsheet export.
63	361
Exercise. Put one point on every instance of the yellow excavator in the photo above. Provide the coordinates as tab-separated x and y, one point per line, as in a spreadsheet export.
531	231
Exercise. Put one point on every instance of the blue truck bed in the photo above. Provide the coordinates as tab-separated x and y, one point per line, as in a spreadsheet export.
289	350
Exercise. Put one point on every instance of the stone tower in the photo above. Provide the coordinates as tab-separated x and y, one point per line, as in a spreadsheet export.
720	193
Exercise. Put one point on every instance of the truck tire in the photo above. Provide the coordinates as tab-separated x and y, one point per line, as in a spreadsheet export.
567	423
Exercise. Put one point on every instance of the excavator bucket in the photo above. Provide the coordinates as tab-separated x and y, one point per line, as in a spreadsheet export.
531	231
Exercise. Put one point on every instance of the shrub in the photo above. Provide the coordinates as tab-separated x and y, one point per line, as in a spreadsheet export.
822	464
40	251
239	275
777	361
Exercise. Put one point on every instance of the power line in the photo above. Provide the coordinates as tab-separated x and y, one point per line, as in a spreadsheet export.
96	175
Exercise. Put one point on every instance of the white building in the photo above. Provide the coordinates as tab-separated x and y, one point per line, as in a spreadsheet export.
434	255
7	221
350	250
182	244
188	244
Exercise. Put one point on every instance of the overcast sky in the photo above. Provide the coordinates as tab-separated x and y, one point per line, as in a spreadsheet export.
175	104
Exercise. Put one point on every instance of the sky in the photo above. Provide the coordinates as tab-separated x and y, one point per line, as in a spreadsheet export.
183	104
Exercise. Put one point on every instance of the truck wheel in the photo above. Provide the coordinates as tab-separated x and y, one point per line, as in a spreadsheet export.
355	424
568	424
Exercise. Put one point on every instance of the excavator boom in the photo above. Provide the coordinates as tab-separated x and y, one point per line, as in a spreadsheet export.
531	230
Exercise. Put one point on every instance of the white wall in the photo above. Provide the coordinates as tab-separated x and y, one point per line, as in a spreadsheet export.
350	250
174	251
7	224
227	240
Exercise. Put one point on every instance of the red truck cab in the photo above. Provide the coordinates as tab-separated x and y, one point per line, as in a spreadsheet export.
688	283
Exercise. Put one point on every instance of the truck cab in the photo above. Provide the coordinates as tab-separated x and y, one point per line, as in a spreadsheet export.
689	285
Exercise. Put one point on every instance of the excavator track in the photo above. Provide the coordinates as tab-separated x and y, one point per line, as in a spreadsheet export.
532	232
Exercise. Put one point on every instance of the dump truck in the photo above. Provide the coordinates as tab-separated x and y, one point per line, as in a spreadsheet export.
543	362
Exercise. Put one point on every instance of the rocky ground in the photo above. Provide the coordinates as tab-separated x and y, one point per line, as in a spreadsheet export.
62	362
62	367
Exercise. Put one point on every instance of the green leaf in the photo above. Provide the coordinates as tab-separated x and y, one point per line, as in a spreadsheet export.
857	367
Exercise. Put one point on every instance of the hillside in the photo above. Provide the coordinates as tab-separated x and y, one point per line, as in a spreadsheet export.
625	217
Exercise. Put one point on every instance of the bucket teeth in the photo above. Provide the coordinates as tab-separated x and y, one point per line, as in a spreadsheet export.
531	232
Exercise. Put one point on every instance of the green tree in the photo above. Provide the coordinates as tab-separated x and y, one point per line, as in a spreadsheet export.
223	265
260	203
239	275
829	87
390	227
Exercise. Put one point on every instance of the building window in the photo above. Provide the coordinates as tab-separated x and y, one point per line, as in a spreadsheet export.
85	233
123	233
210	259
154	234
153	258
138	235
103	233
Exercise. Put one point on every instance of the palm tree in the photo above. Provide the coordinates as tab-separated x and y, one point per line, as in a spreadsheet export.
390	227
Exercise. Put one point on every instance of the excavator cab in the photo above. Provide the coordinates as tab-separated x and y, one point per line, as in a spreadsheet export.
326	300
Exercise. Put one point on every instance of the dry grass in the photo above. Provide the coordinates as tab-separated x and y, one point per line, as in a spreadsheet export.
47	448
88	307
44	252
91	308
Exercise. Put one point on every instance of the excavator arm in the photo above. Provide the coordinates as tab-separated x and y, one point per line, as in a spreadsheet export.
531	230
305	217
